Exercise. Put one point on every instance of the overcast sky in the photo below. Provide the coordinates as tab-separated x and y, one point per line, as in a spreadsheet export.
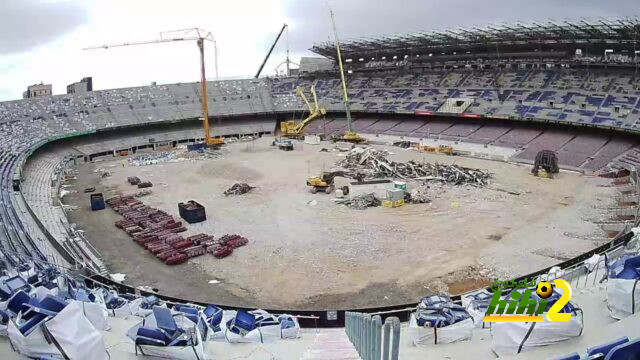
42	40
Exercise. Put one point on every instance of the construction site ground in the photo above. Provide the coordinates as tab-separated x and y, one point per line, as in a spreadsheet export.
306	252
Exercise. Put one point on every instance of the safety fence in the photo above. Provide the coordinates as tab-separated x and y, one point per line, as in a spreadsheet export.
372	339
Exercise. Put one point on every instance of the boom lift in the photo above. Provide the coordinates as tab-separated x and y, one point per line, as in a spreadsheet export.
199	36
350	135
294	129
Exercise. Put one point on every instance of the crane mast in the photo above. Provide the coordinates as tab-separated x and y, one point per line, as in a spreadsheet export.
266	58
199	36
350	135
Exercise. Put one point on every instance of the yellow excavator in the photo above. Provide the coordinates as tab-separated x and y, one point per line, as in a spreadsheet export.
295	129
325	182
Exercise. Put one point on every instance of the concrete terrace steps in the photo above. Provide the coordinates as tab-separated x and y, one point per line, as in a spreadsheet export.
331	344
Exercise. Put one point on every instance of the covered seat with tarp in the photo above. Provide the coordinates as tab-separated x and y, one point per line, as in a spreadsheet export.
256	326
438	320
623	290
52	328
509	338
167	334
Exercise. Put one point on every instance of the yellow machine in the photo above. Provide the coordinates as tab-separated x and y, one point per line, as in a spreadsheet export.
325	181
442	149
350	135
295	129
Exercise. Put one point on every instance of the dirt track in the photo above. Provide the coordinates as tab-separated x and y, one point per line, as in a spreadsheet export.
331	256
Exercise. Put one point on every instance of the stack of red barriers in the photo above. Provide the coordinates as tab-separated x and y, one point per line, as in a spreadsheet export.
158	232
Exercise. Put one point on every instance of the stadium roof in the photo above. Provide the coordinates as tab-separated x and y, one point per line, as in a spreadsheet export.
618	32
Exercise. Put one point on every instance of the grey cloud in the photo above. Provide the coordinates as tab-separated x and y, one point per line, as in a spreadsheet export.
368	18
25	24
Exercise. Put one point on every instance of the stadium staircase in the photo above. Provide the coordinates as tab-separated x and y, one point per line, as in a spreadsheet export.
331	345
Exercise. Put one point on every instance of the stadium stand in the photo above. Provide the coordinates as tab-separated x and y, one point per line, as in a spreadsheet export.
526	102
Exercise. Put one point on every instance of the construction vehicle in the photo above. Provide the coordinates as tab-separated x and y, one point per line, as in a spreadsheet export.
295	129
199	36
350	135
546	164
283	144
325	182
442	149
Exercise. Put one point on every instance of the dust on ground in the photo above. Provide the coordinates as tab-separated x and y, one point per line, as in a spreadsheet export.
331	256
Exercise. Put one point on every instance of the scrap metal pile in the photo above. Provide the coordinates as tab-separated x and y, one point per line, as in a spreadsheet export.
361	202
374	164
159	232
238	189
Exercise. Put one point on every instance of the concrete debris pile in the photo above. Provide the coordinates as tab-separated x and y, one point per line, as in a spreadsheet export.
361	202
374	164
238	189
172	156
103	172
143	193
418	195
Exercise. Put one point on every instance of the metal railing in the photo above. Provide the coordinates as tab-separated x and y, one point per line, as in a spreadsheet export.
372	340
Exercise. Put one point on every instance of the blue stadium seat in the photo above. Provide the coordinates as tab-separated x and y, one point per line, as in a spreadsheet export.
631	269
164	320
242	323
606	347
190	312
572	356
626	351
16	301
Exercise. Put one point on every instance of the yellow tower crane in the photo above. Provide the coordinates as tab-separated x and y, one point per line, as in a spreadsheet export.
200	36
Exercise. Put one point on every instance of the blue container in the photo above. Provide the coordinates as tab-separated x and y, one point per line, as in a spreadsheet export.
97	202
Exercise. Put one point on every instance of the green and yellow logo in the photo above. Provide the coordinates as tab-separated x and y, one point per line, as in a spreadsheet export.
522	303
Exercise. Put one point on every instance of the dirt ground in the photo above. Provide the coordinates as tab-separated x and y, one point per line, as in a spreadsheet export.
327	255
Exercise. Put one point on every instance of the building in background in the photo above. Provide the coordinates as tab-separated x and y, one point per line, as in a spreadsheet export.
37	90
82	87
313	64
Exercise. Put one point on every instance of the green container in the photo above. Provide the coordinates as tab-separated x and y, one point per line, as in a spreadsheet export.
400	185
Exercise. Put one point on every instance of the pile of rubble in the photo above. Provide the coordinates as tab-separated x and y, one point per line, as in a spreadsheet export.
361	202
143	193
374	164
238	189
418	195
172	156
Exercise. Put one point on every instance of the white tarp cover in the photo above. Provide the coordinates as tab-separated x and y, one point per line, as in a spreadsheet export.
70	328
197	351
262	334
424	336
621	297
508	338
290	333
96	313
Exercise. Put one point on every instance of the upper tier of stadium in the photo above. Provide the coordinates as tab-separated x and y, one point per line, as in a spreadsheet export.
547	39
